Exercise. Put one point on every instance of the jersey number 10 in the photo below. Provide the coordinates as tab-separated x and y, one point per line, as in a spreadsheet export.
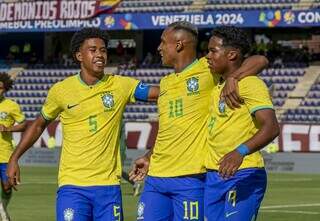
175	108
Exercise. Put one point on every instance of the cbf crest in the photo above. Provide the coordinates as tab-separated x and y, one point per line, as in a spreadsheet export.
68	214
140	210
222	106
3	115
193	85
108	101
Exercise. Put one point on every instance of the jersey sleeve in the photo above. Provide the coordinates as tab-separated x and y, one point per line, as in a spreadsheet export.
255	94
17	114
129	85
51	108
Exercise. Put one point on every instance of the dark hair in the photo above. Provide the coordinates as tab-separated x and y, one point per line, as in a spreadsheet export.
233	37
186	26
6	80
79	37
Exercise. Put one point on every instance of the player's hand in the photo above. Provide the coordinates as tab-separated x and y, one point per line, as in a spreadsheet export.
2	128
230	93
229	164
13	173
140	169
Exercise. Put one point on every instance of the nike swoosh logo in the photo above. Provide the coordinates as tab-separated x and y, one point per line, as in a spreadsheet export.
71	106
162	93
230	214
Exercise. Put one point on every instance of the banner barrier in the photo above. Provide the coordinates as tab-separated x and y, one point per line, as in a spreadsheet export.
142	135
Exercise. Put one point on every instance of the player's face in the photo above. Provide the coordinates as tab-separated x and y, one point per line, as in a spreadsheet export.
216	56
93	56
2	90
167	47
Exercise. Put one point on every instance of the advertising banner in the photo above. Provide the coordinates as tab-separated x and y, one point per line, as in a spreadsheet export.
142	136
62	15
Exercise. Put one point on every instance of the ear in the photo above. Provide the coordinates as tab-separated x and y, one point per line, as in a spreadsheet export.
179	46
232	55
79	56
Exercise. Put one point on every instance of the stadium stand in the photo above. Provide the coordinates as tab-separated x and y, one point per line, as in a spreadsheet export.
31	88
153	6
145	6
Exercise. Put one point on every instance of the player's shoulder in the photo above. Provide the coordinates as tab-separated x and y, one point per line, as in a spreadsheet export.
252	81
117	77
10	102
68	82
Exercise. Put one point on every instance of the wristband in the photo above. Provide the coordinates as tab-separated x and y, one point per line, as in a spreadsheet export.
243	150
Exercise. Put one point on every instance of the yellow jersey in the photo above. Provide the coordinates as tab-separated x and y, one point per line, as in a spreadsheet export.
229	128
10	113
90	116
183	111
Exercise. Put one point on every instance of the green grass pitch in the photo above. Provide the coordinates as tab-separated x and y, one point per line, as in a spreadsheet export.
290	197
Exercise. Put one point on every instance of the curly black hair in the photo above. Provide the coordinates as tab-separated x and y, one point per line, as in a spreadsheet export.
233	37
6	80
79	37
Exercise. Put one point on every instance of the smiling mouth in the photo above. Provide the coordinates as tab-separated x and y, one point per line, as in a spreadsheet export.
99	63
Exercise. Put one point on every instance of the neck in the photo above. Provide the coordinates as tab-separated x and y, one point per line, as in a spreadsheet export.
184	62
230	70
90	79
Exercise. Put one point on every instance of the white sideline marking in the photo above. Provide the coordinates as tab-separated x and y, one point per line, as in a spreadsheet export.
290	211
290	206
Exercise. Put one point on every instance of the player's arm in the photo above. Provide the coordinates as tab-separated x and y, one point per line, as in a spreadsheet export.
140	167
146	92
31	135
250	66
269	130
15	128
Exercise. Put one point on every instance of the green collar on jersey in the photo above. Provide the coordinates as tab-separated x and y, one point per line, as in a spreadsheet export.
104	78
189	66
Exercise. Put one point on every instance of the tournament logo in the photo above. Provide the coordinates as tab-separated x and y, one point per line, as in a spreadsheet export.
109	21
140	210
289	17
127	23
222	106
193	85
68	214
270	18
3	115
108	100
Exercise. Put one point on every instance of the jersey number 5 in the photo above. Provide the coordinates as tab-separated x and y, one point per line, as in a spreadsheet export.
93	124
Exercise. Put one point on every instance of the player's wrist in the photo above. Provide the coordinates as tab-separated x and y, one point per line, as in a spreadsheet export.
243	150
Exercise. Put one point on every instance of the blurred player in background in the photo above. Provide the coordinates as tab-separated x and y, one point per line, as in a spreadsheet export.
136	186
174	186
236	178
90	105
10	114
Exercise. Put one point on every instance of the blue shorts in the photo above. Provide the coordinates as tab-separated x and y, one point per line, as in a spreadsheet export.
172	199
235	199
3	175
98	203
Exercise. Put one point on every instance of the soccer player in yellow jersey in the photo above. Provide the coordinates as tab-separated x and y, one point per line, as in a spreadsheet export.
90	105
175	183
10	114
236	178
